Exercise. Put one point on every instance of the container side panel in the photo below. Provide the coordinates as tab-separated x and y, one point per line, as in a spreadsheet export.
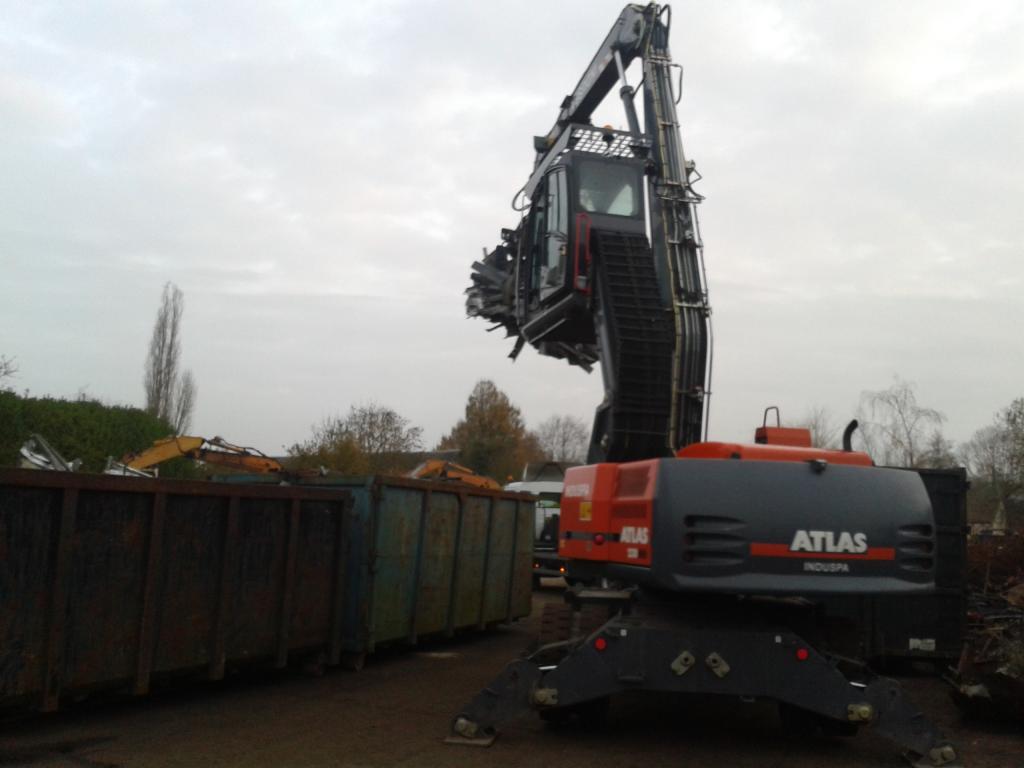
255	607
472	551
358	580
397	535
946	489
499	560
314	574
105	589
436	563
28	530
522	567
236	572
187	598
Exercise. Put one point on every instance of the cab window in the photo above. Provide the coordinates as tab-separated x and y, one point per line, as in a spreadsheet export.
611	189
550	272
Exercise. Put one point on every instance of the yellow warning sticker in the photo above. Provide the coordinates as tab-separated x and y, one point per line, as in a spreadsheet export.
585	514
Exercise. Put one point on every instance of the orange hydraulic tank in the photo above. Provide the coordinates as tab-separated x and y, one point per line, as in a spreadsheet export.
759	452
794	436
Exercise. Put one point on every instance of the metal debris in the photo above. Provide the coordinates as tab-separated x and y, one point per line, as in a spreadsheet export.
989	679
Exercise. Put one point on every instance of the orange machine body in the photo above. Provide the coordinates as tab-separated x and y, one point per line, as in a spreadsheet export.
795	436
770	452
606	512
608	509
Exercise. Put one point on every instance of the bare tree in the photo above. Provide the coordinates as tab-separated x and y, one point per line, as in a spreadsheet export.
170	395
184	402
1012	418
995	454
939	453
564	438
371	438
7	367
330	446
894	427
987	455
379	431
824	433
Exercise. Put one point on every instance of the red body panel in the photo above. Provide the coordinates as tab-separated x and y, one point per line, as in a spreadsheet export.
768	549
606	512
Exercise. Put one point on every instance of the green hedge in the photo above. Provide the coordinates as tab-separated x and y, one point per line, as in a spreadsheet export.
81	429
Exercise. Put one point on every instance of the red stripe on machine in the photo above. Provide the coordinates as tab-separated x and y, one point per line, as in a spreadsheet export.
764	549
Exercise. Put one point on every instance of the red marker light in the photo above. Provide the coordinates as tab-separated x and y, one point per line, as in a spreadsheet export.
599	538
600	644
802	654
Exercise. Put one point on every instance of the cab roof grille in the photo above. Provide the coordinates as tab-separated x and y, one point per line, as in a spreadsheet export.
605	142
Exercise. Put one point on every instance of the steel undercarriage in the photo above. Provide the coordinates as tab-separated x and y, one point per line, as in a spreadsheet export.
671	646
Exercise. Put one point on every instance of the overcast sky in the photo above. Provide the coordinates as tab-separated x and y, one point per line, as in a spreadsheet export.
317	178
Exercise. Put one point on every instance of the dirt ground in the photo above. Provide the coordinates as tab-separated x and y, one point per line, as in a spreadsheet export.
397	711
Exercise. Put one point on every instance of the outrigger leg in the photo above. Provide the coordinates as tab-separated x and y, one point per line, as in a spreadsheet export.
629	654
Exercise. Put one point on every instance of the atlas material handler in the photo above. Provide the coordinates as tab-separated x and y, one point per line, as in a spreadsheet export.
707	567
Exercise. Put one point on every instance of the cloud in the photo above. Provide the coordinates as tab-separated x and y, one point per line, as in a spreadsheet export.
318	178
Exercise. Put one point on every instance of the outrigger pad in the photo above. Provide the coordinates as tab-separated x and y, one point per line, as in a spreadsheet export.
935	760
507	696
897	718
485	741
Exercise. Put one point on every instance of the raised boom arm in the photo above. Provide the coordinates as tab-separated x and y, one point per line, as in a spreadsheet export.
578	278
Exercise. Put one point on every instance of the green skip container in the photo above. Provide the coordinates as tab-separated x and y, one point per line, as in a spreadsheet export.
117	583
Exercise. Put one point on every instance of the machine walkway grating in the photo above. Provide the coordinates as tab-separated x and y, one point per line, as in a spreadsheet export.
640	333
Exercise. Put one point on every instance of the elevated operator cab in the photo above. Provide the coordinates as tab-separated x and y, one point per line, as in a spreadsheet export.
595	184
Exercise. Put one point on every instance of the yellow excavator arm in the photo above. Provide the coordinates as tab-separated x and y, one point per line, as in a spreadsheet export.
163	450
439	469
216	451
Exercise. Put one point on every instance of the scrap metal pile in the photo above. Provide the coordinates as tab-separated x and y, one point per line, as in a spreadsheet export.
989	680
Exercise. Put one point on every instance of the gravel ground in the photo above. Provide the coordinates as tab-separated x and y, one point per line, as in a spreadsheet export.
397	710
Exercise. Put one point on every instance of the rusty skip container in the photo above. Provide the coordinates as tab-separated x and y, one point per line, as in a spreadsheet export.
435	558
110	583
429	558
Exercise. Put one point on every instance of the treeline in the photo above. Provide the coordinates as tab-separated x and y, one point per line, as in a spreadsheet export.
79	429
93	431
897	430
491	438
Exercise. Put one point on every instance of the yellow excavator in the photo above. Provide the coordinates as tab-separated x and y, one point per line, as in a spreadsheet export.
217	451
439	469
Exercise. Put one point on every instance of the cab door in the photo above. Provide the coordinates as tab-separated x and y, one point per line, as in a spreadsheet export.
552	275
